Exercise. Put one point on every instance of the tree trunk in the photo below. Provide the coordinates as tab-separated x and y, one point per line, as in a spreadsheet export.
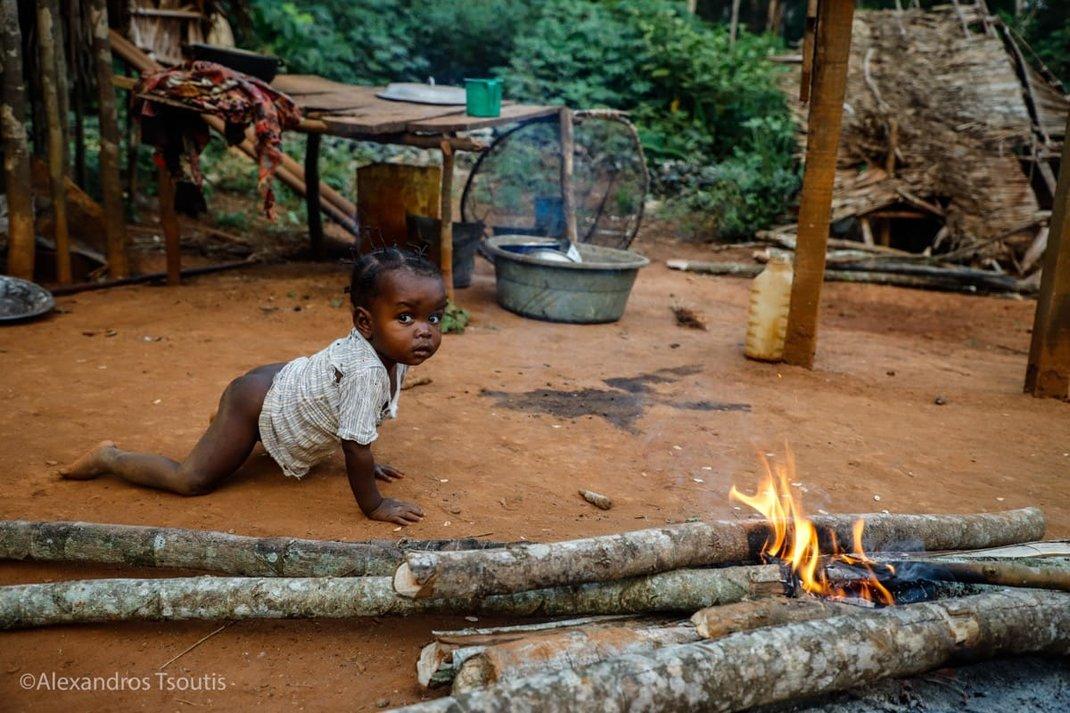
218	598
559	651
20	232
208	551
531	566
789	662
110	184
46	41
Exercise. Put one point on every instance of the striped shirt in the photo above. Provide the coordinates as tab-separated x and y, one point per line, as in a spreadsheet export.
340	393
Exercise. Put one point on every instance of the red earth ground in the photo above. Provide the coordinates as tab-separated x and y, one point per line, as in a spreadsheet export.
519	415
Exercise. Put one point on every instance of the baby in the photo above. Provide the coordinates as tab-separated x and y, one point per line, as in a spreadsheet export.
301	410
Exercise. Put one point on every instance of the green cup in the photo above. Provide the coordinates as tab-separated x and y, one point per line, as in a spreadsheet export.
483	97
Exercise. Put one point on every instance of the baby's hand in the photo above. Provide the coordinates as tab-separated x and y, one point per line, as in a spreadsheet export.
397	511
387	472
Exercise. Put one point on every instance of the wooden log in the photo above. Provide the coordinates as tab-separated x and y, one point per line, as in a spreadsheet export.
46	42
790	662
1053	574
218	598
20	232
110	184
563	650
208	551
491	635
532	566
602	502
719	622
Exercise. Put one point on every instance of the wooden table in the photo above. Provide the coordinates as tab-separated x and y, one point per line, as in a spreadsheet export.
355	112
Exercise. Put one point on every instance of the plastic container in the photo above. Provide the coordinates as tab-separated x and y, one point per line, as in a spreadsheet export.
484	97
590	292
767	319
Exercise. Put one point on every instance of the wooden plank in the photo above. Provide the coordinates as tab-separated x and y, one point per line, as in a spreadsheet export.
831	54
1048	372
460	121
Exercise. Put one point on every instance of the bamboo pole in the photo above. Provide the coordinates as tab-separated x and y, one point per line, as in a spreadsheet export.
790	662
831	52
641	552
111	185
46	41
208	551
1048	370
20	234
219	598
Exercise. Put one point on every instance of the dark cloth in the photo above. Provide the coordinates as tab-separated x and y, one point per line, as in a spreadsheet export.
174	127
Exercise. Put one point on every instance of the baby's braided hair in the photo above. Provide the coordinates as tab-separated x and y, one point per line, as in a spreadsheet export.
368	268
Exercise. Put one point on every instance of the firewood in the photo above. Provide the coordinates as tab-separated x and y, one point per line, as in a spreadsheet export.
218	598
1053	574
602	502
489	636
209	551
718	622
560	651
789	662
532	566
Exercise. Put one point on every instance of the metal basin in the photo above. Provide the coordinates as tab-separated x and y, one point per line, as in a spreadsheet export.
21	299
589	292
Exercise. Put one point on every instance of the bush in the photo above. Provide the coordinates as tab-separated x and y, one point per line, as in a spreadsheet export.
715	126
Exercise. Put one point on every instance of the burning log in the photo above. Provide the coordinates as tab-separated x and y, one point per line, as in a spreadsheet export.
519	568
1036	574
217	598
208	551
788	662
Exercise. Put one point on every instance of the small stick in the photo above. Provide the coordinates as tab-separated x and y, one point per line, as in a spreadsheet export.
194	645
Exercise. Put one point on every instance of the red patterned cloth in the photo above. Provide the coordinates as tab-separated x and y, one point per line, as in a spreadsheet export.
210	88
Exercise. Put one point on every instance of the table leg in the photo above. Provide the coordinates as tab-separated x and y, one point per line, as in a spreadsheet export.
169	223
446	217
312	194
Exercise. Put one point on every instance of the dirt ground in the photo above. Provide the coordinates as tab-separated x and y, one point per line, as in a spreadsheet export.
519	415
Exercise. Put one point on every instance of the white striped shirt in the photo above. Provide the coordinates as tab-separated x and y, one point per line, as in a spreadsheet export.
340	393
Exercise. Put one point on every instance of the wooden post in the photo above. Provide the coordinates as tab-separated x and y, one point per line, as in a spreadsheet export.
733	26
446	217
46	41
831	52
63	89
809	31
774	17
568	203
20	233
169	223
1048	373
110	183
132	143
75	39
312	194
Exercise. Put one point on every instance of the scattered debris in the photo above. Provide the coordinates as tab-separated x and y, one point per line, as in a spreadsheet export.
687	317
418	381
940	400
600	501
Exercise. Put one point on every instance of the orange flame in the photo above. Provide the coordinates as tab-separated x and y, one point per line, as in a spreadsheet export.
794	539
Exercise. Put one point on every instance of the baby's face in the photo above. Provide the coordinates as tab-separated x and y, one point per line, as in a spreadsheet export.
405	320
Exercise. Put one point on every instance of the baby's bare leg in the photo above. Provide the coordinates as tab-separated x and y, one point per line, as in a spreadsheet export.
220	452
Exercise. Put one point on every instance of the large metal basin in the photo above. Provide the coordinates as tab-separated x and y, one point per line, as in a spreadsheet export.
590	292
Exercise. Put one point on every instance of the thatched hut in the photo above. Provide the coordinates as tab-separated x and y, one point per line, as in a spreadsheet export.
948	133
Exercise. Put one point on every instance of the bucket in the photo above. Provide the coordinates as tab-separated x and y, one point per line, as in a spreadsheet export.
483	97
590	292
424	231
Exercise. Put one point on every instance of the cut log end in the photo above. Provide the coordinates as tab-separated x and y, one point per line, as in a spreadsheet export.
406	584
428	664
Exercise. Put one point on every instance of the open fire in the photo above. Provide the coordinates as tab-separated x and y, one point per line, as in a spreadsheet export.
795	544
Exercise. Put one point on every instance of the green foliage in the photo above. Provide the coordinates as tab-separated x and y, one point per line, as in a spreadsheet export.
455	319
713	122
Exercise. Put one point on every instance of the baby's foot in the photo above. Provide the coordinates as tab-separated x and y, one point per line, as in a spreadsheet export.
90	465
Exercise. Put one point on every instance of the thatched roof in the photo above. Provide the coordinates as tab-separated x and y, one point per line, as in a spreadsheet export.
948	92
